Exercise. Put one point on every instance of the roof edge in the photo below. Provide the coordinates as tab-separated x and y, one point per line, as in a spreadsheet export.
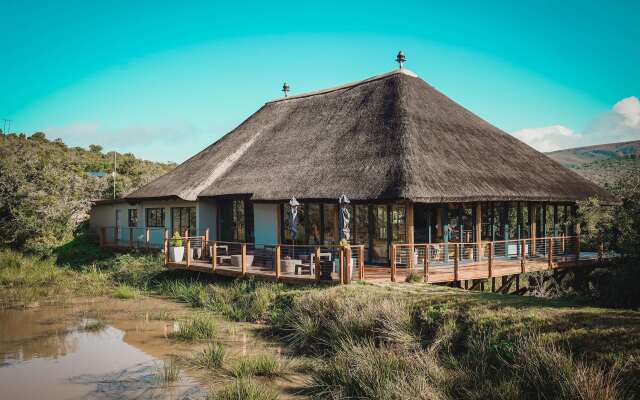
397	71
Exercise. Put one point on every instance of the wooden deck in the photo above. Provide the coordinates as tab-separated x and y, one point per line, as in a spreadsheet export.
377	274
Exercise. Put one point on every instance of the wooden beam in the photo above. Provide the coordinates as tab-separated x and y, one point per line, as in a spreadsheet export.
361	262
410	229
523	255
243	258
316	260
214	255
534	228
347	270
166	246
205	246
188	249
341	265
478	230
456	262
427	255
393	263
490	259
550	252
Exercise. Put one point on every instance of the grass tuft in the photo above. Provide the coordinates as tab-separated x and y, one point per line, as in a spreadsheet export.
243	389
168	372
201	327
414	277
266	365
124	291
211	357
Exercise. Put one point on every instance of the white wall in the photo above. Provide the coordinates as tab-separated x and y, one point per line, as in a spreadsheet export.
265	223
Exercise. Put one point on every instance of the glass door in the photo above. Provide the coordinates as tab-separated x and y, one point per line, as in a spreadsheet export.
379	234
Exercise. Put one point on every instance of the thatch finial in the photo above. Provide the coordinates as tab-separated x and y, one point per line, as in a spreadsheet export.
285	89
400	58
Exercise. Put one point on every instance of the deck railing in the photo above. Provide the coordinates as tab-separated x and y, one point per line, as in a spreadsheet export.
437	262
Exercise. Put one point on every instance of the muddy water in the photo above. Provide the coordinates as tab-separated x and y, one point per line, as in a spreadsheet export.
54	351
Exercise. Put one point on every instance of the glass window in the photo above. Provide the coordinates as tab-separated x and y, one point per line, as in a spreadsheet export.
379	241
155	217
183	218
133	217
330	214
454	224
361	224
399	223
313	213
236	221
487	223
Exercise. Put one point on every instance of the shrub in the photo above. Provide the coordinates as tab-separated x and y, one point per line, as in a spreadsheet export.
201	327
414	277
176	240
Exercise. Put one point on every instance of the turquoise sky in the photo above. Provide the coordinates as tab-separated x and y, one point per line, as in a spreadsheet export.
164	79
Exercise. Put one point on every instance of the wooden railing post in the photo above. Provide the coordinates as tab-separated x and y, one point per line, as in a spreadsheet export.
102	236
166	246
490	260
278	262
523	256
147	238
204	245
393	263
131	238
456	262
347	263
214	255
427	255
361	262
243	258
188	249
115	236
550	252
316	261
341	265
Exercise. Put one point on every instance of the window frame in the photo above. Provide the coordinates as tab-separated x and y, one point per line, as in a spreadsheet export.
131	211
149	217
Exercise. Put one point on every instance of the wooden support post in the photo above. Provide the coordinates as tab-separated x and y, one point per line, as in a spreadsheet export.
550	252
347	263
166	246
316	260
102	236
456	262
523	256
341	265
493	285
205	246
147	238
534	228
478	231
361	262
243	258
131	238
393	263
577	239
278	262
427	255
188	249
410	234
214	255
490	259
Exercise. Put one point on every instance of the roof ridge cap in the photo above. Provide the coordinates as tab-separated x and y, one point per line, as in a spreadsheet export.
402	71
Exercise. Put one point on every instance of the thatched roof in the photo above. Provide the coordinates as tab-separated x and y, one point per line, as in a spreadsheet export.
389	137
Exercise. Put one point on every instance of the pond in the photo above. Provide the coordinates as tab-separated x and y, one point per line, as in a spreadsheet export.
66	351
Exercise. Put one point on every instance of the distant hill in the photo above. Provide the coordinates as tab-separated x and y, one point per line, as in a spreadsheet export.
603	163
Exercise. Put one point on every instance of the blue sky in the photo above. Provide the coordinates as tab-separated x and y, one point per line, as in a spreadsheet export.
164	79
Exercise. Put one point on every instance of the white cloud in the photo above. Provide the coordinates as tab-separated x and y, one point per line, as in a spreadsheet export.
549	138
620	124
162	142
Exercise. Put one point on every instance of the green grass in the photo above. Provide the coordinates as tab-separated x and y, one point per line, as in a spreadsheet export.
125	291
414	277
202	327
168	372
267	365
211	357
94	326
243	389
405	341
